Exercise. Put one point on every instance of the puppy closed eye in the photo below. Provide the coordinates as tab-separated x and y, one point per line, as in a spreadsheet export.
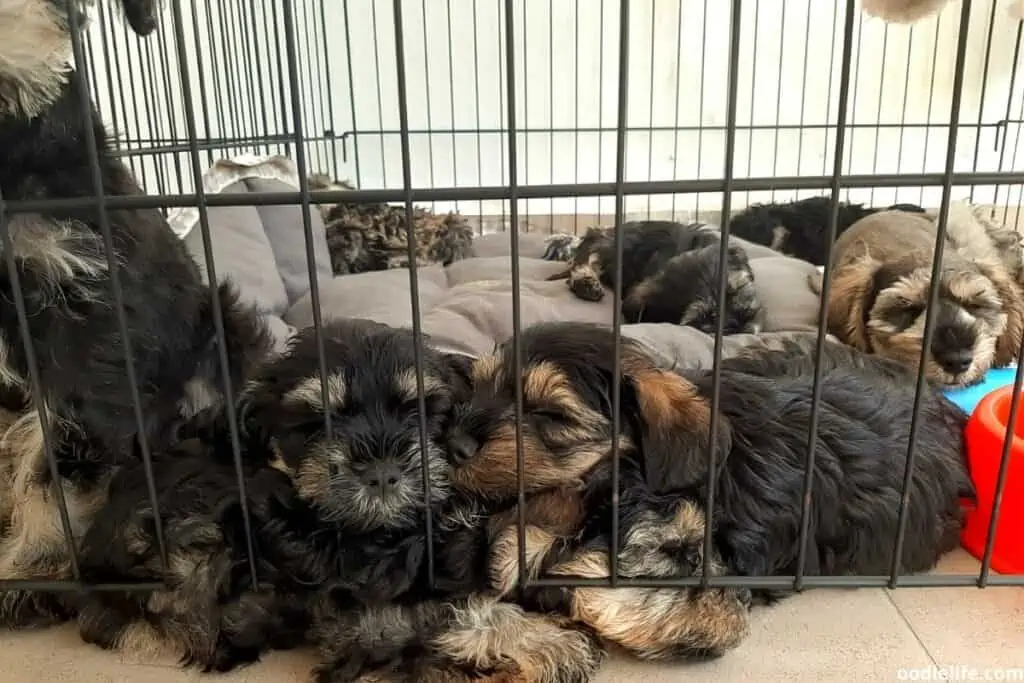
436	405
981	309
903	317
548	414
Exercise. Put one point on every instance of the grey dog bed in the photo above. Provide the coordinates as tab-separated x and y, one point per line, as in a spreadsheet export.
465	307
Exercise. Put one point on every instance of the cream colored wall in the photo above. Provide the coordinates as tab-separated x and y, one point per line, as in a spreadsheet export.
567	57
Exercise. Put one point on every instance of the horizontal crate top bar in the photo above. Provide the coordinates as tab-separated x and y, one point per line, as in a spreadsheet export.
520	191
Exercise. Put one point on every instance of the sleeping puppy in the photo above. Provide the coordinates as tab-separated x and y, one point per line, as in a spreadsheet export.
61	263
366	237
761	443
880	289
798	228
670	274
567	440
568	535
210	614
376	610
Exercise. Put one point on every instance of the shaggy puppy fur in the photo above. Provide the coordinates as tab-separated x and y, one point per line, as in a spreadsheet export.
364	237
974	233
761	442
567	438
63	268
210	614
377	611
798	228
568	535
670	274
880	289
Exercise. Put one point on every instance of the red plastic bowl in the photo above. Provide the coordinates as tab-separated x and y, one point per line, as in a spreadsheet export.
985	435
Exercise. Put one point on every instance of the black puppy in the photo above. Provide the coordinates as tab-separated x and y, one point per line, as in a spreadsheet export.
798	228
670	274
377	607
60	259
863	438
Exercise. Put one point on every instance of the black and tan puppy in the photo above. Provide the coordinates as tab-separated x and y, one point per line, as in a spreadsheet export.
761	441
376	609
60	261
567	439
670	274
881	285
798	228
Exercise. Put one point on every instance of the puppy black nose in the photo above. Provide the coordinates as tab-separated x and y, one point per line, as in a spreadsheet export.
746	598
956	361
462	447
383	476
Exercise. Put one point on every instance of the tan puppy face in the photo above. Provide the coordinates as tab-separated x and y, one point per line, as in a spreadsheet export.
968	321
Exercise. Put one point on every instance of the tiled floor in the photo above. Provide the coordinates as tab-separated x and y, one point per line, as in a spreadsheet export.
823	636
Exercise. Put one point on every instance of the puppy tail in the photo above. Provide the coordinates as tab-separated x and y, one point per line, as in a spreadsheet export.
560	275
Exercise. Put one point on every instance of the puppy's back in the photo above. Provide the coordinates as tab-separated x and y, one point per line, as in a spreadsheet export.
885	236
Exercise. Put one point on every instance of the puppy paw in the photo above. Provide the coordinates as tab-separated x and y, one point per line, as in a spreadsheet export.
341	672
227	657
816	281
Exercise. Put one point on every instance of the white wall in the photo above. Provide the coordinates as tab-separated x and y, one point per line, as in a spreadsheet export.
567	77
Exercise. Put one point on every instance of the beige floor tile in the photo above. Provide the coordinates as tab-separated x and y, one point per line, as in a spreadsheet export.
822	636
58	655
966	626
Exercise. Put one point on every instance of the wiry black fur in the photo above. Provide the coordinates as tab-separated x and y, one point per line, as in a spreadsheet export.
861	454
72	319
863	437
798	228
309	568
211	613
169	314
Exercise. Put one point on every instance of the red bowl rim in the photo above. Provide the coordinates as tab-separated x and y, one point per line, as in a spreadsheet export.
984	415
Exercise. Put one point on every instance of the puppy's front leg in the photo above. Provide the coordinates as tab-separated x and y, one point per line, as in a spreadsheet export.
374	641
476	639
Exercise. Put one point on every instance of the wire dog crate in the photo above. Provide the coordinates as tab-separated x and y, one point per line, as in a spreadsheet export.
536	116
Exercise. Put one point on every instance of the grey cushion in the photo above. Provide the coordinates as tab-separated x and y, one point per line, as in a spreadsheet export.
285	230
241	252
262	249
467	307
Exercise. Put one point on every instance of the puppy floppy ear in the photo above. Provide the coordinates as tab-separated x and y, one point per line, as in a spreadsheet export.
1008	344
850	299
673	422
